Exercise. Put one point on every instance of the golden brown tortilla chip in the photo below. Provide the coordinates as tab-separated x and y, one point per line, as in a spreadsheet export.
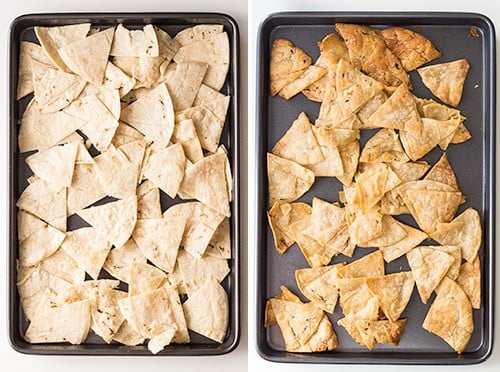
366	225
350	155
354	294
370	265
392	233
469	278
285	295
309	76
413	238
384	147
443	172
327	220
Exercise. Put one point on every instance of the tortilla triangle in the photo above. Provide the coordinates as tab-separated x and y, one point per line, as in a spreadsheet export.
370	265
39	245
85	188
184	82
327	220
385	147
27	224
443	172
28	52
413	238
144	278
280	217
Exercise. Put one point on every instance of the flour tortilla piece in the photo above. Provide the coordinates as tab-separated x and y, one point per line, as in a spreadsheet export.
152	115
367	266
214	51
206	95
384	147
106	315
309	76
120	260
46	202
134	43
66	323
135	153
465	230
469	278
286	295
157	343
446	80
354	295
206	181
207	311
366	225
330	166
40	245
144	278
109	98
185	134
28	52
148	201
327	220
429	266
450	316
394	292
195	271
299	143
369	312
54	89
126	335
183	83
199	32
412	48
380	331
349	154
287	180
55	165
88	57
165	168
369	108
443	172
125	134
54	38
27	224
413	238
63	266
116	219
116	79
159	240
392	233
85	188
220	244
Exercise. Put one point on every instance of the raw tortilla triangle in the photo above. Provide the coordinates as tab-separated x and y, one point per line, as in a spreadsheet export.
106	315
28	52
39	245
27	224
196	33
398	112
206	181
207	311
159	240
310	75
63	266
183	83
85	188
220	244
185	134
165	169
54	38
384	147
116	219
120	260
135	43
145	278
299	143
354	88
429	266
54	89
394	292
88	57
116	79
152	115
89	247
148	201
446	80
41	199
126	335
55	165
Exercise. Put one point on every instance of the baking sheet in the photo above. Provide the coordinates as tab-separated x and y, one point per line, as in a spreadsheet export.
473	162
22	29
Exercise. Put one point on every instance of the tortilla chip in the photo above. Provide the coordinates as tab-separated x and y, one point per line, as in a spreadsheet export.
287	64
159	240
368	51
469	278
429	266
369	312
310	75
220	244
369	108
212	50
450	316
134	43
443	172
412	48
394	292
465	231
366	225
185	134
196	33
413	238
349	154
299	143
410	171
287	295
144	278
392	233
120	260
126	335
152	115
334	137
327	220
195	271
183	83
28	52
85	188
374	332
385	147
54	38
446	80
116	219
370	265
354	294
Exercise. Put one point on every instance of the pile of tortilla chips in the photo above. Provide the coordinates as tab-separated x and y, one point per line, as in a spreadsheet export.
117	118
362	81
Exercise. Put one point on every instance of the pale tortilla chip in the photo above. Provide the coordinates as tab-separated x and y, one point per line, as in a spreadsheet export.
116	79
28	52
196	33
287	64
384	147
185	134
469	278
63	266
413	238
220	244
85	188
412	48
126	335
446	80
159	240
148	201
125	134
144	278
450	316
134	43
465	231
207	311
27	224
183	83
39	245
152	115
120	260
106	315
310	75
429	266
116	219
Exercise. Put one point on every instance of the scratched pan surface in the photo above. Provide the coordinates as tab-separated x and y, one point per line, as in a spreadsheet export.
473	162
22	28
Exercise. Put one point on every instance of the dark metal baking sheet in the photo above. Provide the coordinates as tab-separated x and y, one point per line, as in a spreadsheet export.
473	162
22	29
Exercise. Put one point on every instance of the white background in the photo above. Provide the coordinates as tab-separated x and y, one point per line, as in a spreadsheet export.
259	9
13	361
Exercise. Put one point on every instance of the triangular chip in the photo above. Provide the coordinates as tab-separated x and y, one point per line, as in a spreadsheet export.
370	265
394	292
152	115
349	154
55	165
299	143
125	134
392	233
374	332
120	260
443	172
144	278
369	108
126	335
88	57
384	147
220	244
469	278
310	75
206	181
413	238
412	48
429	266
116	79
148	201
450	316
287	295
134	43
185	134
465	231
183	83
116	219
159	240
327	220
287	64
27	224
446	80
207	311
85	188
28	52
454	251
355	295
366	225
